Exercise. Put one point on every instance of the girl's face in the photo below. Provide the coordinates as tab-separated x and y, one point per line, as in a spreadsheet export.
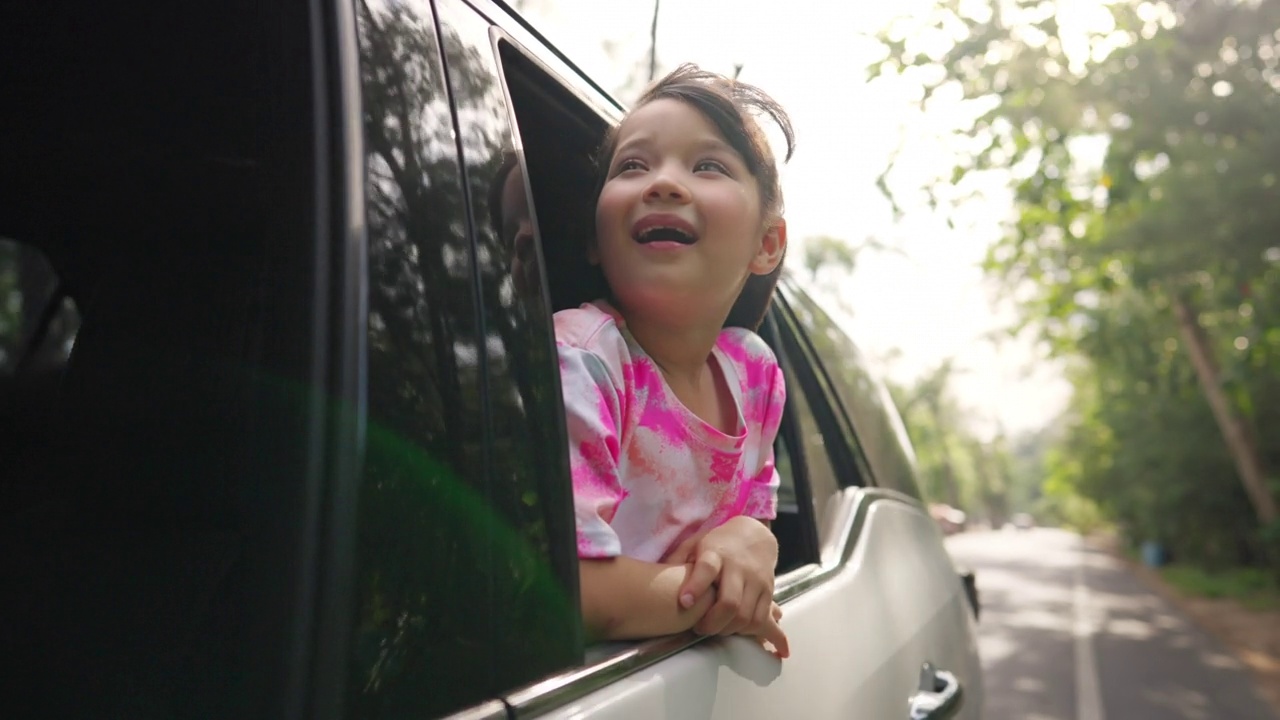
517	227
679	224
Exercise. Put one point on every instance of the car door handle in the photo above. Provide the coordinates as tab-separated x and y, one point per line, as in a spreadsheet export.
940	695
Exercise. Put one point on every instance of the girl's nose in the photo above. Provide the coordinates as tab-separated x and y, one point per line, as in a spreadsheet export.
666	187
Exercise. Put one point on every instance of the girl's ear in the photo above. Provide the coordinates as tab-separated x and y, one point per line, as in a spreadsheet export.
772	247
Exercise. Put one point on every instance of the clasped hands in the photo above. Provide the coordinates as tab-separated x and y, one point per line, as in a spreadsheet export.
736	562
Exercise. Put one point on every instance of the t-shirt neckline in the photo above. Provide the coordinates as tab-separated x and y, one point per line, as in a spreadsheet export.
702	430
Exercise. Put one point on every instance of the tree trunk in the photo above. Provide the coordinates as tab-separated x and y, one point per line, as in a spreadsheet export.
1240	442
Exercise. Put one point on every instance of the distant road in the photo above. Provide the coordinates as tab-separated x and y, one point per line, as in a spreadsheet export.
1068	633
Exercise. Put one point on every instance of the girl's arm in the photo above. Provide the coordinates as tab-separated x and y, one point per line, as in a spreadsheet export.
627	599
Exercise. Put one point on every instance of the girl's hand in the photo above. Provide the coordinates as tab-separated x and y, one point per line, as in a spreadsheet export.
738	558
770	634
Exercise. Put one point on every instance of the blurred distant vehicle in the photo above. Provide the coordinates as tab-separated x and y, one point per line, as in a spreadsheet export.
952	520
1023	521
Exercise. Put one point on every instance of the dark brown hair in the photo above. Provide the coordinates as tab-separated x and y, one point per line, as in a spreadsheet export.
728	104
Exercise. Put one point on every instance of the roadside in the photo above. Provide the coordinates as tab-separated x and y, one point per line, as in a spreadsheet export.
1252	635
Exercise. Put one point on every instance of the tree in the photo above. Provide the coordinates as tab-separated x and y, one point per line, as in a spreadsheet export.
1157	267
937	430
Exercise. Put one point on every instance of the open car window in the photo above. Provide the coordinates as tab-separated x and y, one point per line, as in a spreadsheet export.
561	133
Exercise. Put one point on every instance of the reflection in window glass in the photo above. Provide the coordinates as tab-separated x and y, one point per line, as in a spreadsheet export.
786	476
426	535
456	598
37	322
537	628
823	482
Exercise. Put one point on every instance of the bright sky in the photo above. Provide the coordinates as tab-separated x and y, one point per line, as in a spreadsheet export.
930	302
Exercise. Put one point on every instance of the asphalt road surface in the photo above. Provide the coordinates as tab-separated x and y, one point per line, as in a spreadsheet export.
1068	633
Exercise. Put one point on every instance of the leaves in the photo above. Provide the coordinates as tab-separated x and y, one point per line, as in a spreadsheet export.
1142	150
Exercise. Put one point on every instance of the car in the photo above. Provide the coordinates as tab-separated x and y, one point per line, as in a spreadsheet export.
1022	521
950	520
281	432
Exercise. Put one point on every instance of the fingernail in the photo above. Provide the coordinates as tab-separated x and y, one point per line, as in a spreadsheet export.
687	600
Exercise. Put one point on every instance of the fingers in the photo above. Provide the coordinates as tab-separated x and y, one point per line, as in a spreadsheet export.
745	615
683	552
765	611
772	633
757	602
698	581
728	600
739	608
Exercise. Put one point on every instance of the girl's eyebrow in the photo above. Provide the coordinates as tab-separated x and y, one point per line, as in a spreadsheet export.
634	140
712	142
702	144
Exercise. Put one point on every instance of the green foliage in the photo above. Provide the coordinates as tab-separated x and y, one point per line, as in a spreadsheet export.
1144	155
953	465
825	251
1252	587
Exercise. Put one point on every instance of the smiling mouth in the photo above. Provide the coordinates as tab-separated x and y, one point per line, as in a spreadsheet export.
664	234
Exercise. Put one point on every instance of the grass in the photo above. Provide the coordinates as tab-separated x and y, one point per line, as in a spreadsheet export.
1254	588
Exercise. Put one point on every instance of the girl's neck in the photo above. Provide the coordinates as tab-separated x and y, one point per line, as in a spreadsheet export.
679	349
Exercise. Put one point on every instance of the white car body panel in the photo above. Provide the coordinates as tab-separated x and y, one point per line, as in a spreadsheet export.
857	643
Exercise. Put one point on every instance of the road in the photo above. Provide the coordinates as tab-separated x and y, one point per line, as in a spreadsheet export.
1068	633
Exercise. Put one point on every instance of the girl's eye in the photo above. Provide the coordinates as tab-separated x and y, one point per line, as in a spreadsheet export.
629	164
711	166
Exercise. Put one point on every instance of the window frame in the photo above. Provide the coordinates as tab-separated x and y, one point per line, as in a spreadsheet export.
342	304
464	28
330	690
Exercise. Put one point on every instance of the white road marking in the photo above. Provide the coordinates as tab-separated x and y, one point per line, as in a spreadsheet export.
1088	693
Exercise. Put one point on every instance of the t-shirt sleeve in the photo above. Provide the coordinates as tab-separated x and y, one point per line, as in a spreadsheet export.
762	489
593	418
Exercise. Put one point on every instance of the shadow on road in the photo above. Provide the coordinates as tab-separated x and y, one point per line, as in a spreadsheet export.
1152	663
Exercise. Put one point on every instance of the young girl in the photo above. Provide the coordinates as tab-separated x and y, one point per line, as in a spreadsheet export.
672	401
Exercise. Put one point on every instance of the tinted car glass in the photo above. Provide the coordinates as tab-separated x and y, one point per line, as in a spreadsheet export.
814	440
156	571
527	452
456	597
560	137
795	524
37	326
528	459
38	321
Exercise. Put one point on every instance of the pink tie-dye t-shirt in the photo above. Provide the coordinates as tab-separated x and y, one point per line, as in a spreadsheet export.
647	472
